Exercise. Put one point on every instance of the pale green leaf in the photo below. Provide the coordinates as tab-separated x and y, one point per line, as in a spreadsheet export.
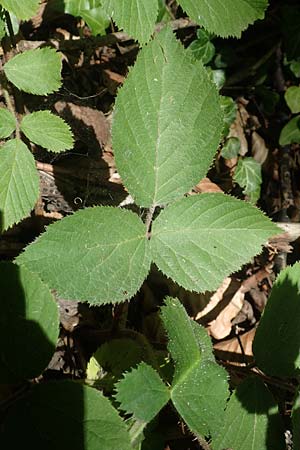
199	388
290	134
296	422
96	19
24	9
202	48
142	393
248	175
49	131
19	182
7	123
231	148
167	123
75	7
225	19
35	71
292	97
199	240
89	420
136	17
29	320
276	345
251	420
99	255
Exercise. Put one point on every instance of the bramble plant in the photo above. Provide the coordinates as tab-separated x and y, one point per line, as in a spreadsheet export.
168	122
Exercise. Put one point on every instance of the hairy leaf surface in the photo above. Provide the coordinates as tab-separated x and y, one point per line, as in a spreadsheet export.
167	123
35	71
48	130
19	183
89	420
136	17
199	389
142	393
225	19
199	240
7	123
276	344
29	324
251	420
99	255
23	10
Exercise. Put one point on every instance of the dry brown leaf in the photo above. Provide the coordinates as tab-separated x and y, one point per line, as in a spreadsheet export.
237	128
215	299
221	326
205	185
231	350
259	149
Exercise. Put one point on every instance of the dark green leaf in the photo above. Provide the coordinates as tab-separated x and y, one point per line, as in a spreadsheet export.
276	345
251	420
29	324
290	134
64	415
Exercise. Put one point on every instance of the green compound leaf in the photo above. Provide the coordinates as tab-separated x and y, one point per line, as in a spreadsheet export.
136	17
29	322
90	421
165	136
276	345
49	131
99	255
225	19
7	123
199	389
35	71
290	134
24	9
142	393
251	420
199	240
248	176
292	98
19	182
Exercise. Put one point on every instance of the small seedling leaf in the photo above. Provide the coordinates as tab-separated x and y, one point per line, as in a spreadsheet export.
49	131
165	136
19	183
290	133
199	240
35	71
29	322
248	176
99	255
292	97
